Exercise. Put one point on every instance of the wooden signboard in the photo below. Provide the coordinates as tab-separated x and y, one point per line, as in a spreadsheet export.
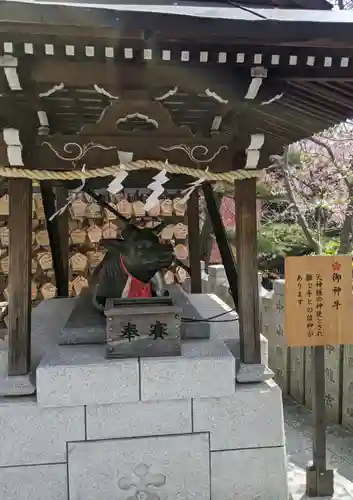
318	300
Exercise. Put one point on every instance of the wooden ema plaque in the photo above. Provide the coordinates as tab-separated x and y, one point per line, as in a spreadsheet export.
318	300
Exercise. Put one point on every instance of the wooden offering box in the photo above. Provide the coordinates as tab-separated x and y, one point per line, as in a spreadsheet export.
142	327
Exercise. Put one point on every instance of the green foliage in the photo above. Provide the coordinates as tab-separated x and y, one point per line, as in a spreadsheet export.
330	248
277	240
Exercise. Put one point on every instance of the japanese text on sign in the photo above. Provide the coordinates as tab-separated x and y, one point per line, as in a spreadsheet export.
318	300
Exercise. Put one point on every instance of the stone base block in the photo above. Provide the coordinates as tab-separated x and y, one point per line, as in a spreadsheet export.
208	305
16	386
253	373
80	375
153	418
47	320
30	435
77	376
38	482
148	468
22	385
251	474
251	418
205	369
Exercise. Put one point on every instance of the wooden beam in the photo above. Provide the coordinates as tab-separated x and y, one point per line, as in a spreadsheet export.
246	250
56	229
147	146
20	243
194	242
222	241
61	194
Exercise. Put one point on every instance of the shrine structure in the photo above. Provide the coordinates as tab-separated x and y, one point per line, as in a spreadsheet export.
205	93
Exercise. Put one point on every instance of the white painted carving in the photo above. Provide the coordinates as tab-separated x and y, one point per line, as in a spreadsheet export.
273	99
258	73
12	78
253	151
109	52
194	151
52	90
216	123
8	47
147	54
49	49
222	57
76	152
157	189
43	123
240	57
131	116
89	51
203	56
254	88
167	94
43	118
28	48
215	96
102	91
14	146
275	59
125	157
9	63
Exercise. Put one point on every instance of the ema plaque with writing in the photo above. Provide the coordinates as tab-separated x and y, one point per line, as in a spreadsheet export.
318	300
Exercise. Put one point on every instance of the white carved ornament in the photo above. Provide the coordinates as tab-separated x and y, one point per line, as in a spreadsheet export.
253	151
14	146
9	63
258	73
76	152
198	153
131	116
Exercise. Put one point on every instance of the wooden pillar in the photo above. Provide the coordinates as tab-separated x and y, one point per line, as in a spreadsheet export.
20	249
247	267
194	242
222	241
58	237
61	194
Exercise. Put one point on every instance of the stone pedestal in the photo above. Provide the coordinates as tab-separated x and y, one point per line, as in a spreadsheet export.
152	428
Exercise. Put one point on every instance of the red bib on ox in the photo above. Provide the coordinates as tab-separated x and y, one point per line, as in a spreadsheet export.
135	288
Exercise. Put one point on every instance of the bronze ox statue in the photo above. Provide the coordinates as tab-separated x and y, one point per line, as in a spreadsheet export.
138	256
135	259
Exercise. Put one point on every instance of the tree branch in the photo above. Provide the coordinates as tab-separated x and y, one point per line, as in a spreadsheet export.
346	230
330	152
316	246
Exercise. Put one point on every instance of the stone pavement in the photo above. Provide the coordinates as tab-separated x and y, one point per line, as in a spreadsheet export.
299	451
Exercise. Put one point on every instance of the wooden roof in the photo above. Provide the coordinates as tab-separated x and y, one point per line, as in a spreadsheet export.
81	84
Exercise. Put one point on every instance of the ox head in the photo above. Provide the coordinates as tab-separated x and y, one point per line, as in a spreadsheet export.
142	253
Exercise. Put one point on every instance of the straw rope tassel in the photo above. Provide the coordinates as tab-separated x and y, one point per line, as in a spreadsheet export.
68	175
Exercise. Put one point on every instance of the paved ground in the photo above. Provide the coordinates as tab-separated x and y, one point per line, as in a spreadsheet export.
299	451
